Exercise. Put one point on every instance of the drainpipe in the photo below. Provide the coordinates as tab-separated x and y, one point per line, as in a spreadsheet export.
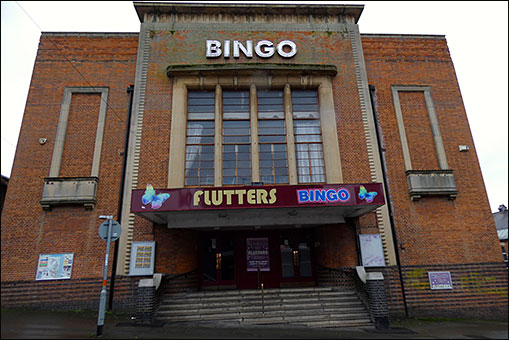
386	188
130	90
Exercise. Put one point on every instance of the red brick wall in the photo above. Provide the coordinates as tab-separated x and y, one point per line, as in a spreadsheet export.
176	250
434	232
27	230
68	294
479	290
338	247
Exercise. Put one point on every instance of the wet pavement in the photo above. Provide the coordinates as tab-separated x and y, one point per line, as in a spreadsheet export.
30	324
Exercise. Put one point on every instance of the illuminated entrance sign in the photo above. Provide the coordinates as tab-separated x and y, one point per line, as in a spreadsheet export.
323	195
247	197
263	48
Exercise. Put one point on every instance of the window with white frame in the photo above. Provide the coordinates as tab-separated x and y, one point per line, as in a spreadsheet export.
272	137
199	169
308	137
236	138
236	148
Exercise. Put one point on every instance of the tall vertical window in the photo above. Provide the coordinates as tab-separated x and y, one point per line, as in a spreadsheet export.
308	137
272	137
236	138
200	139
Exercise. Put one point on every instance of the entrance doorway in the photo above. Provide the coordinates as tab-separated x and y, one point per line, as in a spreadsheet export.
296	262
218	265
227	260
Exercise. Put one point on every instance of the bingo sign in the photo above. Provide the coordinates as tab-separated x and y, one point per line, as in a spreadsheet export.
440	280
258	254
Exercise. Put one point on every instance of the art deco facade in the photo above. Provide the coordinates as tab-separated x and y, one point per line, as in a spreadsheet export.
239	143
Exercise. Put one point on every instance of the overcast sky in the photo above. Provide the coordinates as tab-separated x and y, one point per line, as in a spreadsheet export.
476	34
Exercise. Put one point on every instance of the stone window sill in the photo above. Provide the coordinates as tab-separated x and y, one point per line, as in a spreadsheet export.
431	183
69	190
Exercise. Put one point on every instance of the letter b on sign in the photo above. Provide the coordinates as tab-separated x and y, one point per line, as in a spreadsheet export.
213	48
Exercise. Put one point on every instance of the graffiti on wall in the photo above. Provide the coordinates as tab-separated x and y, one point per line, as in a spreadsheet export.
472	282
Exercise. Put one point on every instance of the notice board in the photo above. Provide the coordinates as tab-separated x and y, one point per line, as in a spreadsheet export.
372	250
54	266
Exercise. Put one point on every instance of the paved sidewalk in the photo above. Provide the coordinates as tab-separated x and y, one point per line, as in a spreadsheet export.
24	324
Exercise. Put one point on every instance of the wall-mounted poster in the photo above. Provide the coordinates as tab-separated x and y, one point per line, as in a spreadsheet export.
142	258
257	250
54	266
372	250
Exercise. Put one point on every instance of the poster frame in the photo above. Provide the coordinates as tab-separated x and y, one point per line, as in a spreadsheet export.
63	262
135	248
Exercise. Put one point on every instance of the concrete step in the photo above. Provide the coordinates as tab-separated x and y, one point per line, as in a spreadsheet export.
295	303
305	318
255	318
360	320
365	322
248	292
310	306
310	309
254	298
268	311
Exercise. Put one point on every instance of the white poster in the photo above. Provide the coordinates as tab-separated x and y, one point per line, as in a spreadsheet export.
372	251
54	266
142	258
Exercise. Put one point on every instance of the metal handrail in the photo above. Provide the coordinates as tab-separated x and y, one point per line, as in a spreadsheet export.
263	303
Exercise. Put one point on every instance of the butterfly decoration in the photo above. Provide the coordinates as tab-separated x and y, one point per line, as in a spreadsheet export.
150	196
368	196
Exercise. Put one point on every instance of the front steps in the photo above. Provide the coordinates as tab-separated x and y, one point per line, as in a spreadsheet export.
312	307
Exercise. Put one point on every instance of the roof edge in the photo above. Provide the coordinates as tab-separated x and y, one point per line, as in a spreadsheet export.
233	8
408	36
89	33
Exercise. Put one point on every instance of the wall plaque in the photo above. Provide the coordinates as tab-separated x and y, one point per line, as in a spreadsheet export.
440	280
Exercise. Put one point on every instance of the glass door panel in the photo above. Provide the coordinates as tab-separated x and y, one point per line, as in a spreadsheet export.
296	256
210	261
305	268
218	262
227	260
287	265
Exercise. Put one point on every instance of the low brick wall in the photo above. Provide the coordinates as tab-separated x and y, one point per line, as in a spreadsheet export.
145	306
393	292
378	303
68	294
480	290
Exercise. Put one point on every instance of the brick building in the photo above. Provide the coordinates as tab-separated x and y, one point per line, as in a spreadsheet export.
239	144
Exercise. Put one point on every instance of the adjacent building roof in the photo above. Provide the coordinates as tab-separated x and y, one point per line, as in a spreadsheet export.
501	222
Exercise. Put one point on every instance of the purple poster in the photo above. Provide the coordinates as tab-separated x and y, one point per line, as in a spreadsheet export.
440	280
257	250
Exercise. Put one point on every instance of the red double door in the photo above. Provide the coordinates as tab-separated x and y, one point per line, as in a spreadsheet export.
245	259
